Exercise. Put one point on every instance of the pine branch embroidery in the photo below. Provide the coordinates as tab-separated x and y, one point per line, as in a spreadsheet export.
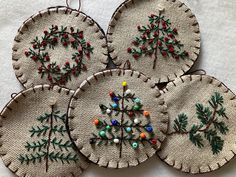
55	73
41	149
157	36
211	124
123	132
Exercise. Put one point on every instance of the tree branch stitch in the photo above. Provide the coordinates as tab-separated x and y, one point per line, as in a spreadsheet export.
211	124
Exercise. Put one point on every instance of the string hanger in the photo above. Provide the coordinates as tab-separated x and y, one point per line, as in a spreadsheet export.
68	4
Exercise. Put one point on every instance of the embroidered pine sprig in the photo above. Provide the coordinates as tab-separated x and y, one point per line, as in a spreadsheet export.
132	131
211	127
49	148
68	38
157	36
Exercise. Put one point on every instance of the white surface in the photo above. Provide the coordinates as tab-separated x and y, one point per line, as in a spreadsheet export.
218	55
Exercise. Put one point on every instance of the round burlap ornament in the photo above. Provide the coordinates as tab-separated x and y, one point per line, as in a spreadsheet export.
159	38
58	46
34	139
202	124
113	120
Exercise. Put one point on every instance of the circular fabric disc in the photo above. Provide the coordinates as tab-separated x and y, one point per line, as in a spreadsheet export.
34	139
202	125
58	46
159	38
113	120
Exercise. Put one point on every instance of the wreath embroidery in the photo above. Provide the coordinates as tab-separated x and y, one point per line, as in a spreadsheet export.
55	73
157	36
48	147
132	131
210	127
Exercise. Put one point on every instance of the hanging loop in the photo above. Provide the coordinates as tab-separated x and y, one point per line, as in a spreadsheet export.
68	4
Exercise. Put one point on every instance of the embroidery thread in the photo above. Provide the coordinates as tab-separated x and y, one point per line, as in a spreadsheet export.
132	131
211	124
41	149
55	73
157	36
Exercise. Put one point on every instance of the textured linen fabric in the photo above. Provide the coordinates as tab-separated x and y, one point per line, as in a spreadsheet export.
123	30
84	108
181	96
27	70
21	116
218	45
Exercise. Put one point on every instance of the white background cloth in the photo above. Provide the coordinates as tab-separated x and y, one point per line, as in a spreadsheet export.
217	21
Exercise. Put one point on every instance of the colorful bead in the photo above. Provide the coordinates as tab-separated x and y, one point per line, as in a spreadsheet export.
96	122
142	135
128	92
134	145
149	129
131	113
108	111
111	94
116	99
128	129
108	127
136	121
137	100
136	107
114	122
146	113
102	133
116	140
154	141
124	84
114	105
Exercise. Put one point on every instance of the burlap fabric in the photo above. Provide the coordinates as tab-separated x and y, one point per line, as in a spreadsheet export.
84	108
26	135
181	96
122	32
27	70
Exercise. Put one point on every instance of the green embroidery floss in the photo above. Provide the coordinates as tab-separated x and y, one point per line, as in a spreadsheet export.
211	126
39	150
73	38
157	36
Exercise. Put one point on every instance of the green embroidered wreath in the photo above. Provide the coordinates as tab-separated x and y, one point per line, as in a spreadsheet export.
55	73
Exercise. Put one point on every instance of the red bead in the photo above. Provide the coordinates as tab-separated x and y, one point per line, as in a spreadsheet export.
148	32
34	46
47	58
129	50
50	78
131	113
171	49
143	47
44	43
139	28
175	30
96	122
164	54
136	56
65	44
155	34
81	35
154	141
88	44
166	39
54	39
135	43
49	66
26	53
65	35
111	94
34	58
67	63
150	41
144	37
159	43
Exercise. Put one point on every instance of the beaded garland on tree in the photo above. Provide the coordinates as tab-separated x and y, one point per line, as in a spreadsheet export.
123	132
157	36
73	38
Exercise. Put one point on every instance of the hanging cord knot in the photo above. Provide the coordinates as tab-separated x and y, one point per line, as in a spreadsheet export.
68	4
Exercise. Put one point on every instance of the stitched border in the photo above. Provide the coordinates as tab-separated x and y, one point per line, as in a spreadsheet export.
109	73
11	165
92	23
217	83
124	6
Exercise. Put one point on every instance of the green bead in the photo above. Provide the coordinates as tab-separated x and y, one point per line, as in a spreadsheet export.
102	134
137	100
136	107
135	145
108	127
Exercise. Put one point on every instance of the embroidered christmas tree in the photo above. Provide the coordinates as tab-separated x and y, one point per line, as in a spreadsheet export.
72	38
49	147
127	124
211	126
158	37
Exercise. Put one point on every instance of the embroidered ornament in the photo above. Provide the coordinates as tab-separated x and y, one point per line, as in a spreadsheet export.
34	121
58	46
159	38
117	139
202	111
